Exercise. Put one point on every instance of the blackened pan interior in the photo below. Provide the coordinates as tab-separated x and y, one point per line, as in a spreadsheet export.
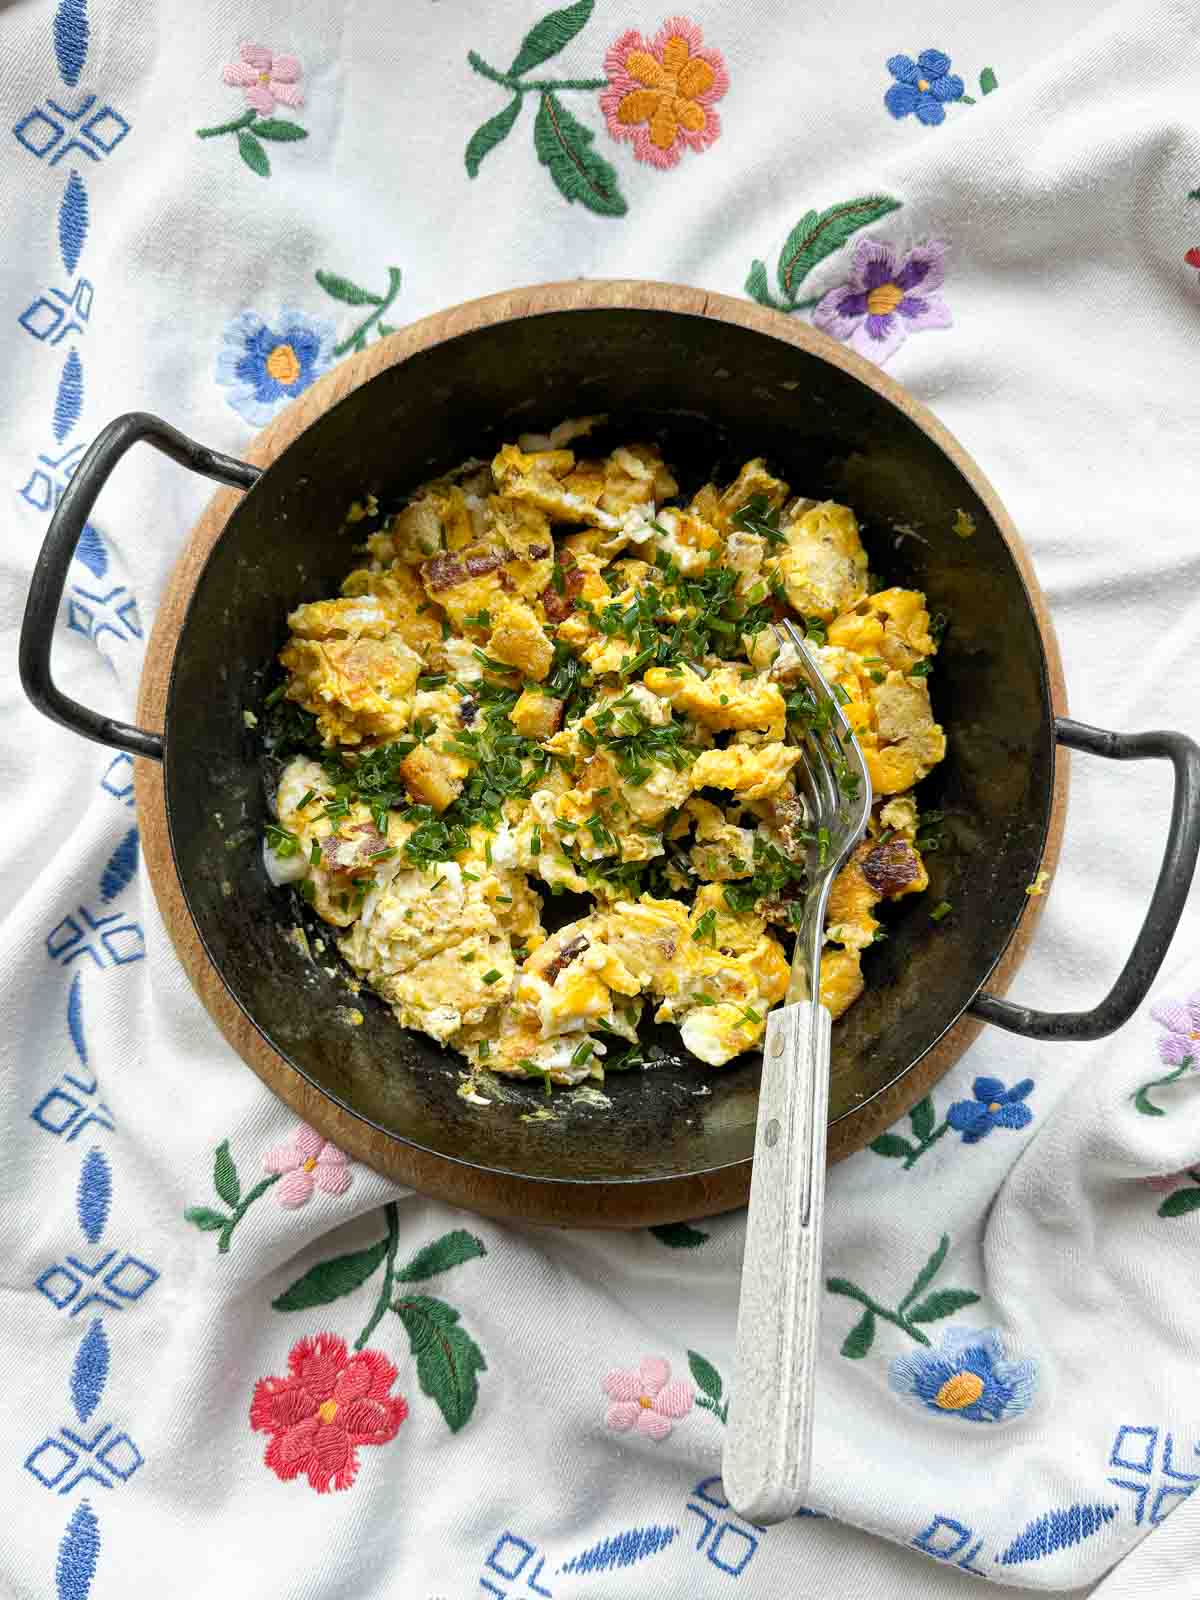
713	394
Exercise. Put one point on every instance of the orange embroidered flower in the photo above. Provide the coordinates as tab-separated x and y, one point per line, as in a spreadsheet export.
660	95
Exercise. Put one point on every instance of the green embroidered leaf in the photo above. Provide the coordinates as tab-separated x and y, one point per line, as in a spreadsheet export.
330	1280
791	245
927	1273
1194	194
451	1250
225	1175
205	1218
941	1305
816	236
987	80
1180	1203
756	285
706	1375
1144	1103
562	144
277	128
547	37
889	1144
492	133
342	289
679	1236
921	1117
861	1337
253	154
447	1357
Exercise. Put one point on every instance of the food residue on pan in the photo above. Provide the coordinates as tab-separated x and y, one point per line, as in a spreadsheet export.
551	675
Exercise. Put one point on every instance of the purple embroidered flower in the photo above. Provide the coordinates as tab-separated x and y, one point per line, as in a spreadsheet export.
884	300
922	86
994	1106
1180	1045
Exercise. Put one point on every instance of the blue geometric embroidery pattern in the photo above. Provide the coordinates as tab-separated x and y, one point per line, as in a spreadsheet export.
121	868
1057	1530
1140	1460
49	314
732	1546
52	1460
48	480
68	402
79	1551
117	946
94	1195
71	39
96	138
622	1549
91	552
118	776
509	1558
129	1280
90	620
76	1118
945	1539
90	1372
73	221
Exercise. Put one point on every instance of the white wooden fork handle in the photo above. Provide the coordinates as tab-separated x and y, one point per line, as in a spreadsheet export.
768	1444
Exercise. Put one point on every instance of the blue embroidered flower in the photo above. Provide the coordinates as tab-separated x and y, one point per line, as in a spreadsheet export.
922	86
967	1376
994	1106
265	367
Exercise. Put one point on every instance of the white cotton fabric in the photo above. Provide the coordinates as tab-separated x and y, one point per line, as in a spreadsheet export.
1070	373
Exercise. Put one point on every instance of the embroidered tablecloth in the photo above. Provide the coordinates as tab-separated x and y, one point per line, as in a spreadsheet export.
237	1361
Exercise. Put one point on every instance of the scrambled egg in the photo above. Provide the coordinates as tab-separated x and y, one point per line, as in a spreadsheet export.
547	675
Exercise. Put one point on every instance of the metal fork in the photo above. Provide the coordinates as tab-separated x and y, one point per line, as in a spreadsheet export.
768	1445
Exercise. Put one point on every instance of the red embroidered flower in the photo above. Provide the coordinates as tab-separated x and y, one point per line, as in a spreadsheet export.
1193	257
661	94
327	1406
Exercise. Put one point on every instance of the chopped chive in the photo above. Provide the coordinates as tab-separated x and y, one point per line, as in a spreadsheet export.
478	619
504	899
275	696
535	842
581	1055
384	854
490	977
487	851
558	579
704	1000
314	854
431	680
471	877
921	670
311	795
485	1050
843	699
705	925
469	957
282	841
942	909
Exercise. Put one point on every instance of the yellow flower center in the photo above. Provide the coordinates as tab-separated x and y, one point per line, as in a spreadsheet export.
1194	1034
310	1164
884	299
923	85
264	77
329	1410
645	1402
963	1389
283	364
994	1107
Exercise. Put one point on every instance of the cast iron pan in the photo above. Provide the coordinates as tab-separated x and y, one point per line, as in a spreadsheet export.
711	392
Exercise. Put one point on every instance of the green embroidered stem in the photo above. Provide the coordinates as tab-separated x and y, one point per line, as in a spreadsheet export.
538	85
926	1144
392	1214
720	1412
852	1292
1142	1099
358	339
241	1209
227	127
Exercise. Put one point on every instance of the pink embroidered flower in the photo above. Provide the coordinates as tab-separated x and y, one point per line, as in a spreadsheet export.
1171	1180
884	299
1180	1044
265	77
661	94
327	1406
308	1162
646	1399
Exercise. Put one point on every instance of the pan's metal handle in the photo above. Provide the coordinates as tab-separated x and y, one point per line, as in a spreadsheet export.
50	573
1166	903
